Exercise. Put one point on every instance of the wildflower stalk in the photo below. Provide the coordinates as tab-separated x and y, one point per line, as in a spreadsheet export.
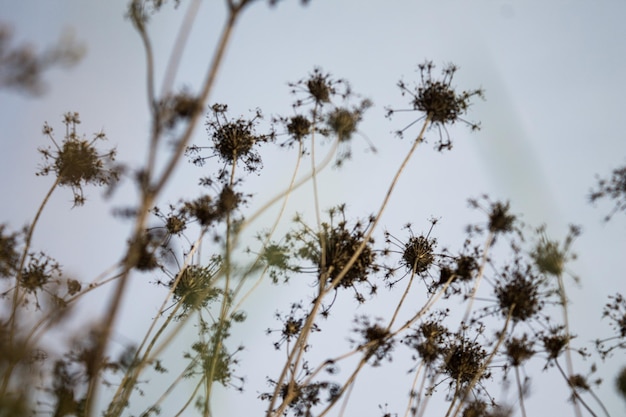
291	188
401	302
315	192
479	276
418	371
130	378
520	393
576	398
149	195
179	47
173	385
419	139
191	397
17	295
486	362
222	320
268	237
568	353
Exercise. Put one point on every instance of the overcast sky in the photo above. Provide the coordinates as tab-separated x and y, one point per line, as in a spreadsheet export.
553	75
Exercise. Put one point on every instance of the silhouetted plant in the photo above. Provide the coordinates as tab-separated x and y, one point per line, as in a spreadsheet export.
191	250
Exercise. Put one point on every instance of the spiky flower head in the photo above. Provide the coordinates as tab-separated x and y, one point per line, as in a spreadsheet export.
76	161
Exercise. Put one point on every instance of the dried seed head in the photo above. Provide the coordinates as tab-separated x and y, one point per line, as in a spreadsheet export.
500	221
519	350
418	254
299	127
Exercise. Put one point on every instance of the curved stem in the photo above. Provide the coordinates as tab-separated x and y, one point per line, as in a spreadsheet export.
372	227
17	297
413	391
149	196
129	380
295	186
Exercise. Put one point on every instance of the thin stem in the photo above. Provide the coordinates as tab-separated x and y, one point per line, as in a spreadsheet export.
575	396
17	297
520	393
149	195
406	292
202	98
295	186
173	385
489	359
418	371
479	276
568	353
179	46
129	381
346	385
419	139
268	236
191	397
314	179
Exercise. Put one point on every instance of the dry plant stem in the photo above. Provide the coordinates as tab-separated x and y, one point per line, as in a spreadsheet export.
313	374
422	405
191	397
315	193
171	387
303	336
129	380
17	295
489	359
600	403
344	405
394	182
289	190
141	28
294	358
267	238
420	399
406	292
457	388
479	276
226	303
520	393
126	386
152	104
179	47
347	385
575	396
429	303
418	371
202	98
97	283
149	196
568	353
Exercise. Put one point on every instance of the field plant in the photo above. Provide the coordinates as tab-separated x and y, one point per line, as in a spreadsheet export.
464	320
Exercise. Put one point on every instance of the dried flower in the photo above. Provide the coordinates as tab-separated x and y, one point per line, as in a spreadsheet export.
76	162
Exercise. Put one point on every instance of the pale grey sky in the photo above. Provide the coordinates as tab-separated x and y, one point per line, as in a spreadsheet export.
553	75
